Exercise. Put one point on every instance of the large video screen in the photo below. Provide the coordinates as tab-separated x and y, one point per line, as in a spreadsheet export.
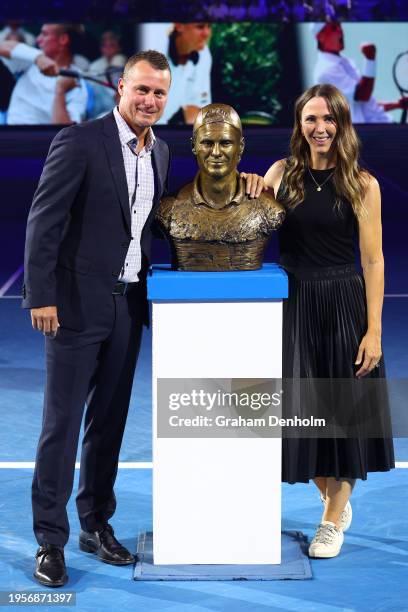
368	62
258	68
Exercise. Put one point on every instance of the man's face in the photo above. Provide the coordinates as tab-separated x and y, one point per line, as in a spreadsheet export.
194	35
110	47
143	95
218	148
51	40
331	38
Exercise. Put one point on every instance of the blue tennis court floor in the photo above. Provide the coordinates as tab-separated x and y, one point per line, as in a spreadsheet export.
370	574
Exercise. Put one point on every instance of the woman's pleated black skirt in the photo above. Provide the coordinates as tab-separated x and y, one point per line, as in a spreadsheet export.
324	321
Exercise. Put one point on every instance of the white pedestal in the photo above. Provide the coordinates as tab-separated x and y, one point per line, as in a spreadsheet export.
216	500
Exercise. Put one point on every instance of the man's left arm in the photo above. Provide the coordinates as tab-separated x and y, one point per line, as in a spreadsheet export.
365	86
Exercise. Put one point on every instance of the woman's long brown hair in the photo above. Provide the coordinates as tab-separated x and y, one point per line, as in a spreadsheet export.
350	180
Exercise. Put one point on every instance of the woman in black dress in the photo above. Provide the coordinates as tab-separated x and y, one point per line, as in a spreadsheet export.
332	318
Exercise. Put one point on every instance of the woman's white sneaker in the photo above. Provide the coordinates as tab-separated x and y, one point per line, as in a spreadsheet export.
345	517
327	542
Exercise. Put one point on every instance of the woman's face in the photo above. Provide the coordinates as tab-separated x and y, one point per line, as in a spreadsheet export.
318	125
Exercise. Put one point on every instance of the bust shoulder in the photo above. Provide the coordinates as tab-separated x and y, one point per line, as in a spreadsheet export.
172	206
185	192
164	211
274	212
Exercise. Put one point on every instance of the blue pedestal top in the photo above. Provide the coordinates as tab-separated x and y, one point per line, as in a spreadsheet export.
268	283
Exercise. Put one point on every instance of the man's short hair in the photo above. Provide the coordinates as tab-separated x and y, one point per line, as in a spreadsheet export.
154	58
76	33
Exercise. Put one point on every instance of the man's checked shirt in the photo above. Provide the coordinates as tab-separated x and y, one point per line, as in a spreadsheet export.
138	167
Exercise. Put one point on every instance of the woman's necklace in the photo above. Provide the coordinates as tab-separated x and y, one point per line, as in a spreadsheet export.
319	187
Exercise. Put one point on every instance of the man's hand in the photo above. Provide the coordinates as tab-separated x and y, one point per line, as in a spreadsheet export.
368	50
254	184
59	113
45	319
65	84
403	103
47	65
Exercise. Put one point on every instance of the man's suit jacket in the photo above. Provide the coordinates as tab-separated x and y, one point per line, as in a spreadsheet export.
79	225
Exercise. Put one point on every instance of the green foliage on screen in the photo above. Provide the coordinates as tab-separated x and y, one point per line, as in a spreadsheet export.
247	69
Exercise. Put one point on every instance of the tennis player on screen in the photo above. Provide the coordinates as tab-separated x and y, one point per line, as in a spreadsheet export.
40	96
334	68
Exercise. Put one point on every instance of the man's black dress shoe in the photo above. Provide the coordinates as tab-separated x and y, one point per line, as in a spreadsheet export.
106	546
50	566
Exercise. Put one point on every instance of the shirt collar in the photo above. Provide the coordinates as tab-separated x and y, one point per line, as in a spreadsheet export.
330	57
126	134
198	198
193	56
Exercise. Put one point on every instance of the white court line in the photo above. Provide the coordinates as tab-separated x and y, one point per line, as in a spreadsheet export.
387	295
123	465
132	465
10	282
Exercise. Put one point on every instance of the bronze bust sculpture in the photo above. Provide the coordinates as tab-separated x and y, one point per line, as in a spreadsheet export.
211	224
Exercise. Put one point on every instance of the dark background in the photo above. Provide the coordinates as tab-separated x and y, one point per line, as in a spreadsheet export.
384	153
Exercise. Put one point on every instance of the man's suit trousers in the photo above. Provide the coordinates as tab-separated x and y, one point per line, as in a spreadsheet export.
92	367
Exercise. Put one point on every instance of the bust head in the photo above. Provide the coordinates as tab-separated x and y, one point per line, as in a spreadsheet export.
217	140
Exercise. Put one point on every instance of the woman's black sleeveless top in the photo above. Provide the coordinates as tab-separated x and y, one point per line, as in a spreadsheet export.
316	232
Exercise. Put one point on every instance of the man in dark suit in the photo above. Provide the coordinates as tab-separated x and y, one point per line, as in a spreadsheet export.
86	260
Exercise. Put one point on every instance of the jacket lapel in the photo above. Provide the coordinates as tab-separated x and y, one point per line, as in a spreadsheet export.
160	171
117	168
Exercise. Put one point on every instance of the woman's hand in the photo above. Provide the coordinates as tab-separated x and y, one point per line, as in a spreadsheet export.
254	184
369	353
